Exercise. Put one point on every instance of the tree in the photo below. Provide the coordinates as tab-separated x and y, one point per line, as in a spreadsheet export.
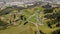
56	32
54	17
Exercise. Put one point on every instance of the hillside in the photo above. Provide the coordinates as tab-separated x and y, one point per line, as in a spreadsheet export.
35	19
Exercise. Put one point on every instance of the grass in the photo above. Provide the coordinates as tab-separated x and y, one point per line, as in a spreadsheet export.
21	29
28	28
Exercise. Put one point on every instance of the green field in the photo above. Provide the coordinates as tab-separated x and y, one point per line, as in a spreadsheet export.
29	28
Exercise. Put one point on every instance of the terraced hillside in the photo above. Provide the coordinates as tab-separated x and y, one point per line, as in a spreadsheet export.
36	20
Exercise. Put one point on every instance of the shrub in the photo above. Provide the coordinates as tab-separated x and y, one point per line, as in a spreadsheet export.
56	32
